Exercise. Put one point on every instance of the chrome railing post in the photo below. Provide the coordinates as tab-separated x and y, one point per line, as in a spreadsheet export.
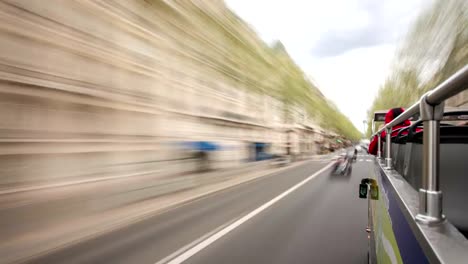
388	144
430	196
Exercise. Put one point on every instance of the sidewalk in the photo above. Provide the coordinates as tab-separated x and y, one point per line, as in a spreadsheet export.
38	221
104	173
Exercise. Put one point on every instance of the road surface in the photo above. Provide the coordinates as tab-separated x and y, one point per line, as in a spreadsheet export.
301	215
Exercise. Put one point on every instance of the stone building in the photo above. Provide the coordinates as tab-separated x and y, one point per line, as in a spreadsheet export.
108	89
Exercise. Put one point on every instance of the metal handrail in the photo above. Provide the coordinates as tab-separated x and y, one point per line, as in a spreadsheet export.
431	109
450	87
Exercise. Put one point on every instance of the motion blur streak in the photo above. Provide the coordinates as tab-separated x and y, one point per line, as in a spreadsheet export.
435	48
105	105
107	88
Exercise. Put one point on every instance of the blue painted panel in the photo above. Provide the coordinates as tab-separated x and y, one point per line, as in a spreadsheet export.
410	250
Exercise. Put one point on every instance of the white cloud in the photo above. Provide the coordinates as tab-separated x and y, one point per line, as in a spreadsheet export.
346	46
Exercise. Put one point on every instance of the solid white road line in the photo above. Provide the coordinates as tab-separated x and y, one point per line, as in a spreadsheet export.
186	247
200	246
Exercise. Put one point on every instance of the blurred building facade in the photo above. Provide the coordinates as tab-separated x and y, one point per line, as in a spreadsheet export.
105	89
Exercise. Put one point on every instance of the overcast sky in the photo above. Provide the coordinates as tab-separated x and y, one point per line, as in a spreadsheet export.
345	46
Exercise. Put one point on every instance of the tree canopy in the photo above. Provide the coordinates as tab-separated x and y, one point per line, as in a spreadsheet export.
434	49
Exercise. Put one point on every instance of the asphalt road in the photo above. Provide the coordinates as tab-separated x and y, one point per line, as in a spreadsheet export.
320	221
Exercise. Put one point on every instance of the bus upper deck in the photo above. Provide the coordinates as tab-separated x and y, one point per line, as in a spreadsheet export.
421	214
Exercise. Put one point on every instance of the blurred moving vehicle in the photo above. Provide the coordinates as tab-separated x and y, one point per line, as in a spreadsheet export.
364	143
342	165
355	153
422	214
358	148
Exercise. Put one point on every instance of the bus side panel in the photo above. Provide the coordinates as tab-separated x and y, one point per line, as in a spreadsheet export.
386	247
395	236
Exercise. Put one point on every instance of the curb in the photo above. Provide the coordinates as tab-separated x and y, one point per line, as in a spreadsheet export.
110	178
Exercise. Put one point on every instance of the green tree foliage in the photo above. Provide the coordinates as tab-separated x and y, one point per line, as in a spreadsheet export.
296	89
435	47
225	48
